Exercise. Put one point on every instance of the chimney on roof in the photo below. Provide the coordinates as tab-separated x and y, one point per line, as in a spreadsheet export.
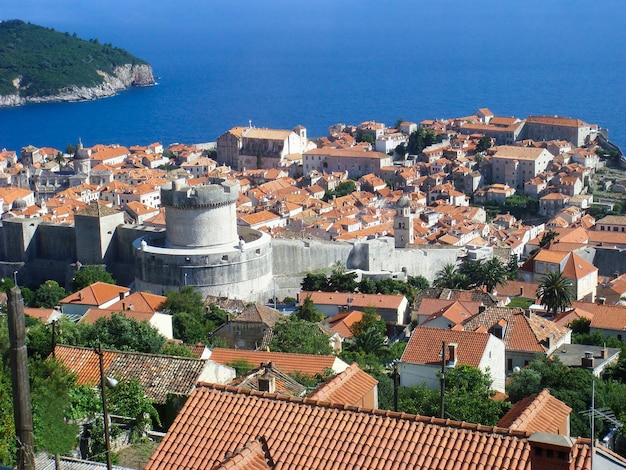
601	300
80	296
121	294
521	291
452	354
604	352
267	382
481	308
123	306
588	360
550	451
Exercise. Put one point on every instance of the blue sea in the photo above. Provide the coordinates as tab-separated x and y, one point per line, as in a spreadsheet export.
280	64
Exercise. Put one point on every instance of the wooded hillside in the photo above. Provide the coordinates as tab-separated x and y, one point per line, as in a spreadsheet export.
47	60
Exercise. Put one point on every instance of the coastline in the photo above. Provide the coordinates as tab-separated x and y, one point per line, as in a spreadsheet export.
125	77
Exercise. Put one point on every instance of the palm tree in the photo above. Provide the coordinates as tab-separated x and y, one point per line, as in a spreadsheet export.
449	277
556	292
494	273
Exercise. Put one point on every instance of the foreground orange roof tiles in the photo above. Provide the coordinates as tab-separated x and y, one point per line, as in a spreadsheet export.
302	433
540	412
350	387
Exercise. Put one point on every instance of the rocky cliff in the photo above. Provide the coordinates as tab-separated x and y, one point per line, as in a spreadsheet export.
123	77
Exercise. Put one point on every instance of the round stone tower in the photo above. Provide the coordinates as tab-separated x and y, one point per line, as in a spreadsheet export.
203	247
200	216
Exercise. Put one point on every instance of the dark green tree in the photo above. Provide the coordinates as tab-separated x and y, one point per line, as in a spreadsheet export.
49	294
448	276
556	292
313	282
342	189
365	137
420	139
512	266
483	144
50	385
468	397
187	300
494	274
580	325
89	274
125	334
547	237
191	328
418	282
308	312
570	385
299	336
367	286
341	281
472	270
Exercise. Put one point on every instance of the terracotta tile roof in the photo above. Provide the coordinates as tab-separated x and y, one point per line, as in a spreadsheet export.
308	434
518	289
342	322
424	346
96	294
141	302
348	387
576	267
253	456
456	312
606	317
548	256
556	121
518	153
540	412
257	313
357	300
523	332
454	294
158	375
43	314
565	318
308	364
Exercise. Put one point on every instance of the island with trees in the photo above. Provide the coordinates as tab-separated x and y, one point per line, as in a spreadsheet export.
39	64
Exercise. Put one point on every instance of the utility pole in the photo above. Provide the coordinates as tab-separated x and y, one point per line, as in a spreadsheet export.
19	377
54	336
105	411
396	376
443	381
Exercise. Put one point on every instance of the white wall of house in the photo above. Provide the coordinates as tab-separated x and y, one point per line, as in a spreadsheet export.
163	323
216	373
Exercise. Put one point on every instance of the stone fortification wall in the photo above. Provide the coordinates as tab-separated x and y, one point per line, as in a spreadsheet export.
301	256
56	242
243	271
200	216
95	235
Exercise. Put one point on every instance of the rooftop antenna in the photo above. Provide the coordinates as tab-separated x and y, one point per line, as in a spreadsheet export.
250	123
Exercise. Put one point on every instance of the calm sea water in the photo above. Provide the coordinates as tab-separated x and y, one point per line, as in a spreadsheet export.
281	65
